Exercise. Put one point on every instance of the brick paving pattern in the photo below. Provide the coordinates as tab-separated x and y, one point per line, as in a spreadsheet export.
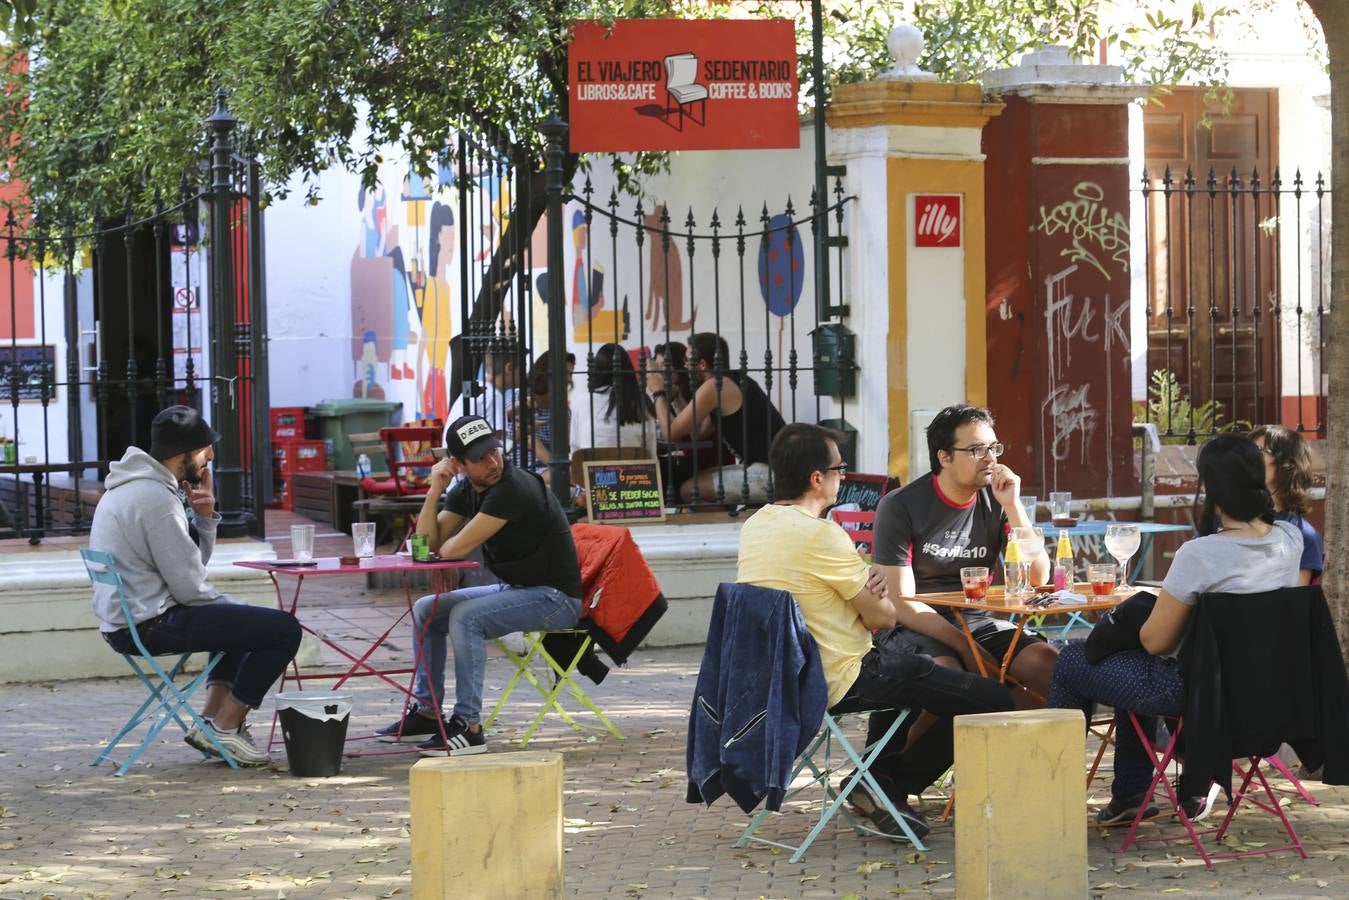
178	825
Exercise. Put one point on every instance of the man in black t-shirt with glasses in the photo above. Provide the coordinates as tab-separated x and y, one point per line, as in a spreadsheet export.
959	515
526	542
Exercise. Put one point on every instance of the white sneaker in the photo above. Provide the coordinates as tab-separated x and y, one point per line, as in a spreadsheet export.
515	642
239	744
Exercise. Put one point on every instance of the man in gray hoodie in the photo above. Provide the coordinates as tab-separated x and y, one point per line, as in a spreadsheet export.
142	521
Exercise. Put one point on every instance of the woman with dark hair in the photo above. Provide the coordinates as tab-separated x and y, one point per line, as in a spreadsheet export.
1288	475
612	411
1241	550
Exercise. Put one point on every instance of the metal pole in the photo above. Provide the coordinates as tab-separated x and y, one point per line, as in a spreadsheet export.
559	466
823	308
224	364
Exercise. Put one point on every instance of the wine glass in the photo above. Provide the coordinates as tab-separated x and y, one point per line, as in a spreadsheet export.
1121	540
1030	540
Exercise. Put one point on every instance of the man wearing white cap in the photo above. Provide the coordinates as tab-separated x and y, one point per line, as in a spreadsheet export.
526	542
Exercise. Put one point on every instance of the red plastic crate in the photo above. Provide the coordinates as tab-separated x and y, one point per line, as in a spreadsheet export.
287	423
290	457
281	494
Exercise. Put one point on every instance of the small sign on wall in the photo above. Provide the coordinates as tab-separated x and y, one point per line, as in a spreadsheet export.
623	491
683	84
937	218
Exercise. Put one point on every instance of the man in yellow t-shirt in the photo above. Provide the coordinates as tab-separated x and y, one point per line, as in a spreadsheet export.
788	546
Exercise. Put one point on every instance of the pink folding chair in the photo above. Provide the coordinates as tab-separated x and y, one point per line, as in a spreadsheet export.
858	525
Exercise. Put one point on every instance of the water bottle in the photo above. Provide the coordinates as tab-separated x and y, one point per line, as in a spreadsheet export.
363	466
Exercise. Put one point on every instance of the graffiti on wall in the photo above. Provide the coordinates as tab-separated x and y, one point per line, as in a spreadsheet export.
1095	232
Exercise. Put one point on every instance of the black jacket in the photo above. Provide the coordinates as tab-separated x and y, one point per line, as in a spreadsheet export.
1118	630
1261	670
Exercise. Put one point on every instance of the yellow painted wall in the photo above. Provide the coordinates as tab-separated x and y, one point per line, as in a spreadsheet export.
935	176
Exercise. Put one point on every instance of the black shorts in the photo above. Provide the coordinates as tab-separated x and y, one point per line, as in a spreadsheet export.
994	635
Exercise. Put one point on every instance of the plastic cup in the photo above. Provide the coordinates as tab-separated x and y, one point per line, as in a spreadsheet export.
1029	503
1060	507
302	542
974	582
363	539
1102	578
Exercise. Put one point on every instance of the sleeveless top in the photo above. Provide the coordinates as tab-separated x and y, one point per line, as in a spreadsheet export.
750	430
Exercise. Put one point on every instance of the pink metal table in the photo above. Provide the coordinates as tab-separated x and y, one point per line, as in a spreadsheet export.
360	665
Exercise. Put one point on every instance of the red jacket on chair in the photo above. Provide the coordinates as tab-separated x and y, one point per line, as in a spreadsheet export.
622	598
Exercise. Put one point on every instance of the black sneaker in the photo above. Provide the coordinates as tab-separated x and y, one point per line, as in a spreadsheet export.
1122	811
413	728
458	741
880	817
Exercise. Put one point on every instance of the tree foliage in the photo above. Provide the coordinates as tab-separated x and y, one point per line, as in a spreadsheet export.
108	117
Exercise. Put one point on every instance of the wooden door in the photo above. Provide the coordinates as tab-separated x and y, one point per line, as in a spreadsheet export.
1212	268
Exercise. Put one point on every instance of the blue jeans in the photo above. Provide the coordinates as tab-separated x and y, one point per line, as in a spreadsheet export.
469	617
1136	680
258	643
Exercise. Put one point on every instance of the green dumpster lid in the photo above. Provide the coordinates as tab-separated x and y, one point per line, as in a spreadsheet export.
354	405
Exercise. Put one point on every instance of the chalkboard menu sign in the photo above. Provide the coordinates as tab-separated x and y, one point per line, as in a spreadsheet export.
29	368
864	490
624	491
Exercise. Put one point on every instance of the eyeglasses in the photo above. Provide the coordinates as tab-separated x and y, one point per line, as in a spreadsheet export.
841	468
979	451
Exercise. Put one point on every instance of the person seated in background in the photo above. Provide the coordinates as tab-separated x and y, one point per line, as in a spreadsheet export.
1288	475
540	403
612	411
1241	549
141	521
790	546
742	416
672	360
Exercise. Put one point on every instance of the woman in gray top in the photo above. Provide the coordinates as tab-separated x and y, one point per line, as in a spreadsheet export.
1249	552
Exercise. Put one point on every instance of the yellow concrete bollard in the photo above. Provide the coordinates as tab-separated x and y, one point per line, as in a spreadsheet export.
487	826
1021	805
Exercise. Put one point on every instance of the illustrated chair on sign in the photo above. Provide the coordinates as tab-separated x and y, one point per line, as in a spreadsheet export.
167	701
1259	670
746	624
681	85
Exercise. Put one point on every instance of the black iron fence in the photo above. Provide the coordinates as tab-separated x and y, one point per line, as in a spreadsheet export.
1237	294
108	326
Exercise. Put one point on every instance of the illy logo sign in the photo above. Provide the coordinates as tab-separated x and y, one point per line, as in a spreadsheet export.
938	220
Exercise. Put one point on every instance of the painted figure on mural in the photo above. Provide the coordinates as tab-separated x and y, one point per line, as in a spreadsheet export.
592	323
372	294
380	300
434	307
665	297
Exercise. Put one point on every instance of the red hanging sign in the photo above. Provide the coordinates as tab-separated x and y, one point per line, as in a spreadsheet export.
937	220
679	84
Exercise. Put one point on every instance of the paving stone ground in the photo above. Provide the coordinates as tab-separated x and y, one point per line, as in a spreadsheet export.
181	826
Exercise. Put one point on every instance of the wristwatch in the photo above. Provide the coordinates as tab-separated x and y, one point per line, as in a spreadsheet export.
655	394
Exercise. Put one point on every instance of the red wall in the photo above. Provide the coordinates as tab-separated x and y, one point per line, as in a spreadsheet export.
1057	247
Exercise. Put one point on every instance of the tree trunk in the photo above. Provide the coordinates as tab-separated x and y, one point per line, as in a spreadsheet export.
1334	17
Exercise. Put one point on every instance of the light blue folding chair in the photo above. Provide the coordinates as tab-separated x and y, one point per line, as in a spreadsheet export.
166	700
835	801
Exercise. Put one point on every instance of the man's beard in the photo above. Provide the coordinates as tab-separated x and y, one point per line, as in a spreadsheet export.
192	472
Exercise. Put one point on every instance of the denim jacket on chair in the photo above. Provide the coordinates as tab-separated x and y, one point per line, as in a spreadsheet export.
759	699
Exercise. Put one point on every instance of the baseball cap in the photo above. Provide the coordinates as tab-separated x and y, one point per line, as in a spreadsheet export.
469	437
